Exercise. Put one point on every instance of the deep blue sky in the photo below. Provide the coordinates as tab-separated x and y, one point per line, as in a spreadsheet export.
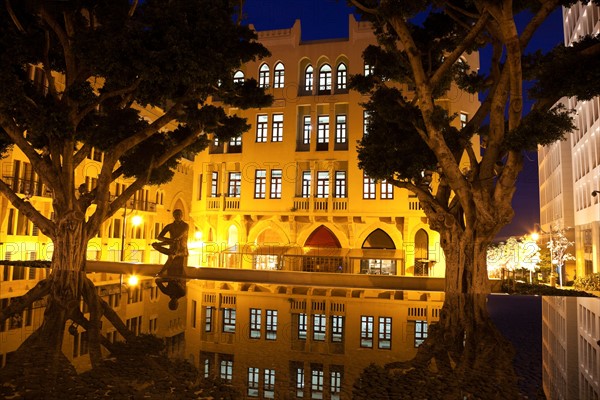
328	19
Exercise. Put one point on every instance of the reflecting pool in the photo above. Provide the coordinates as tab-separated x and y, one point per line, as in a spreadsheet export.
283	341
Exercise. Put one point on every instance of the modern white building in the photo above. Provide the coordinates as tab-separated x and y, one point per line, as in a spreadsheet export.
569	171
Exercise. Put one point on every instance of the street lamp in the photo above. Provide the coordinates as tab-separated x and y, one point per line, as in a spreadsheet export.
136	220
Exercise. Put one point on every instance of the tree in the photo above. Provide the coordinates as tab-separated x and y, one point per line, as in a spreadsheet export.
558	245
512	255
411	136
104	62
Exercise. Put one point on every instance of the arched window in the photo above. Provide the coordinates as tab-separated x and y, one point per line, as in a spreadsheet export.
263	76
325	78
278	75
421	253
238	77
342	77
308	78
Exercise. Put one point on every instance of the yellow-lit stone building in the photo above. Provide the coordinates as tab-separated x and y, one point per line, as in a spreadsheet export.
289	194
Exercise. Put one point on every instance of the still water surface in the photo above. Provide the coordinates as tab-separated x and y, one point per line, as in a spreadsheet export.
290	342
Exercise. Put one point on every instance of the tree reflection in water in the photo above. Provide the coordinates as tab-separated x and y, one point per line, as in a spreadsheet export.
464	357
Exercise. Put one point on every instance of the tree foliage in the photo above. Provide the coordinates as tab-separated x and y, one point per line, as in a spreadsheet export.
421	59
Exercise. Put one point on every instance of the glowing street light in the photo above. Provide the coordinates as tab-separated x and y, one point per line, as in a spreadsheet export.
133	280
136	220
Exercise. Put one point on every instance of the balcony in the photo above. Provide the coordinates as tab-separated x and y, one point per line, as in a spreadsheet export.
27	186
320	205
214	203
232	203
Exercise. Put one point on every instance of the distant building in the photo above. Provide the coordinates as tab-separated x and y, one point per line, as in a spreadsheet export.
569	171
288	194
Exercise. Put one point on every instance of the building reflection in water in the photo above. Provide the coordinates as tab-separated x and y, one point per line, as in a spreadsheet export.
285	341
570	339
278	341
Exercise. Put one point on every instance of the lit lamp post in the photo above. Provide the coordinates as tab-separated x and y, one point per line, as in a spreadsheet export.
136	220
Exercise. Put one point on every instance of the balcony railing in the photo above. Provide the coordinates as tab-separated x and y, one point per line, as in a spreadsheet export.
232	203
27	186
320	205
214	203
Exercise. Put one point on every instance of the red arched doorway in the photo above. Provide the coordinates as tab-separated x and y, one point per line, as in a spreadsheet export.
322	237
323	253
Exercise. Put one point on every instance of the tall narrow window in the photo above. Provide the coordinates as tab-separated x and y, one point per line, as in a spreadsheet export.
306	183
316	383
342	77
319	327
276	176
253	376
368	187
341	133
238	77
340	184
306	129
322	132
269	384
214	184
464	118
208	319
336	384
263	76
302	326
227	370
255	322
322	184
366	117
200	183
235	183
260	184
229	320
325	79
337	328
420	332
368	70
278	75
271	325
308	78
385	333
277	131
262	127
387	190
299	381
366	331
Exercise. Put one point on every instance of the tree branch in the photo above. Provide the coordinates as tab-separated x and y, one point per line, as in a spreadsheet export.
26	208
363	8
19	304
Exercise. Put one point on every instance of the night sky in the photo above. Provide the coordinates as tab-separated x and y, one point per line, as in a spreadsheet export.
328	19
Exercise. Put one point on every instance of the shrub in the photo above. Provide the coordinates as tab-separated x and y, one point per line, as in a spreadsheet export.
589	282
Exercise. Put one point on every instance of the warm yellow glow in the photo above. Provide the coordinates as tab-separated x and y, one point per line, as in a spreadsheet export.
133	280
136	220
535	236
198	235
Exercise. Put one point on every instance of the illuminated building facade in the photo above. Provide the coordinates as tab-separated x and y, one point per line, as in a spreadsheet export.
289	194
569	171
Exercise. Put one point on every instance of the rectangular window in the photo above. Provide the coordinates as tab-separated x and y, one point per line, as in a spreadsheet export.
208	319
341	135
323	129
227	370
269	384
235	141
271	325
387	190
306	129
366	331
464	118
306	183
368	69
235	183
262	127
260	183
229	320
214	184
337	328
420	332
366	118
340	184
335	384
299	382
322	184
253	376
194	310
276	176
319	327
368	187
302	326
277	129
385	333
255	323
200	177
316	382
